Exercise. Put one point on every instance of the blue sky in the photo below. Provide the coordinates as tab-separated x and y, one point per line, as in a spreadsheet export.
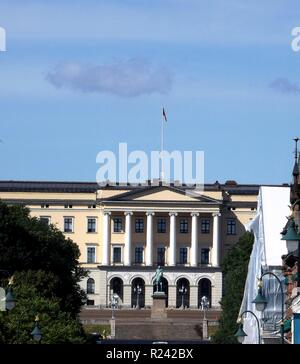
79	77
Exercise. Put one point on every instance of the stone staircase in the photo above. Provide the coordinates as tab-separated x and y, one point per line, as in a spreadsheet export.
158	330
138	325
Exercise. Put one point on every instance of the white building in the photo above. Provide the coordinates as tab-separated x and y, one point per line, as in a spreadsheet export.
272	212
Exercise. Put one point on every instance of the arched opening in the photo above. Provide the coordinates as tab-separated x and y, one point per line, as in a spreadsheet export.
90	286
183	293
204	289
138	293
165	288
116	287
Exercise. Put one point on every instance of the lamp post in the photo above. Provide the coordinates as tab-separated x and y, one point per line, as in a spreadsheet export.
240	334
204	306
292	237
36	332
261	301
182	291
114	305
10	301
137	290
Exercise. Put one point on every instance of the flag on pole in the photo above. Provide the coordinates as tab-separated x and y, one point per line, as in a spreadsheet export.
164	115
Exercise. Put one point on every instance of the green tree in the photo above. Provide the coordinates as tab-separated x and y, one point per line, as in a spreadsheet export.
234	268
46	275
27	243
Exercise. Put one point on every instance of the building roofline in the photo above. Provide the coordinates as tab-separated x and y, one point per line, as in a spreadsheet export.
92	187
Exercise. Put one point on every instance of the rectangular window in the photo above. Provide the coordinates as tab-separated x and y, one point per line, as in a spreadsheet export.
91	225
117	225
91	254
161	225
139	225
183	255
68	206
205	226
45	220
161	256
117	254
90	302
183	226
68	224
205	256
139	250
231	227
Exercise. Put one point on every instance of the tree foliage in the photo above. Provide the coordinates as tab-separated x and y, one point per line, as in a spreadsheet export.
234	268
46	275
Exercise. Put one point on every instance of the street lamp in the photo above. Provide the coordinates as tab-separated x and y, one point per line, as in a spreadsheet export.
10	301
204	305
137	290
291	235
261	301
36	332
240	334
182	291
114	305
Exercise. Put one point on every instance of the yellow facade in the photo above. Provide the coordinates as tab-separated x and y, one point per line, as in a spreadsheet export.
79	202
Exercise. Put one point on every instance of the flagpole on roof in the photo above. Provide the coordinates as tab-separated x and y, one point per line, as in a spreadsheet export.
162	172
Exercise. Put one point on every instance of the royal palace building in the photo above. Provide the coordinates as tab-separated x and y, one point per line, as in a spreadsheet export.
125	232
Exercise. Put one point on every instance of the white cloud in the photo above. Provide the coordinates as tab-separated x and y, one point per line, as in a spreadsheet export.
129	78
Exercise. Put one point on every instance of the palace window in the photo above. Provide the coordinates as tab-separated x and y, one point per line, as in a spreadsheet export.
117	225
139	225
161	225
68	224
183	252
205	256
117	254
183	226
91	254
139	255
68	206
161	256
205	226
90	286
45	220
91	225
231	227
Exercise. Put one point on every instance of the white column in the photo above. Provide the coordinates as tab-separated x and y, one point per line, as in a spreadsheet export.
149	239
172	250
194	297
194	240
127	248
106	238
172	297
216	240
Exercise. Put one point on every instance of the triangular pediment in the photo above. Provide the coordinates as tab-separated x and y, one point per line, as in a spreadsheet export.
162	193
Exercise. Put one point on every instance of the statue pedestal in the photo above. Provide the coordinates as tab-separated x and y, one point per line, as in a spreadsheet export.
158	310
